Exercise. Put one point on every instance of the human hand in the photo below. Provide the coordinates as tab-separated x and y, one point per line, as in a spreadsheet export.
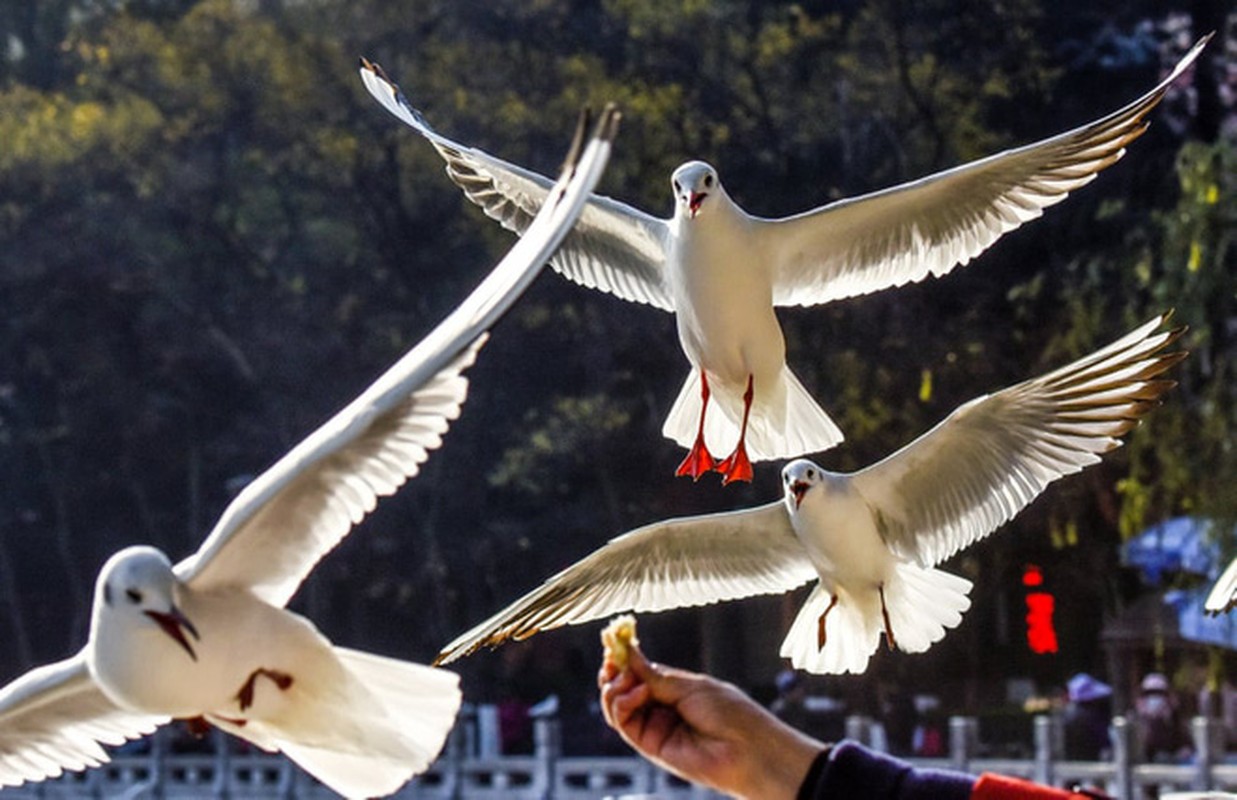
704	730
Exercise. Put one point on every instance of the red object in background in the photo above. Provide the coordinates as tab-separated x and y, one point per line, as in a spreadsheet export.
1041	634
994	787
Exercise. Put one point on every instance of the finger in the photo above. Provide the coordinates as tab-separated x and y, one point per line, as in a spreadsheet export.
607	673
667	684
639	663
620	683
627	704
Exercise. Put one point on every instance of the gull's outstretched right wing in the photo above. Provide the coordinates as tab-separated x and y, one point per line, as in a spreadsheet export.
615	248
282	523
55	718
675	563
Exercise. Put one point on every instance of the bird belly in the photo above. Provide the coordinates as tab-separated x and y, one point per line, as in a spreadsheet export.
843	544
724	312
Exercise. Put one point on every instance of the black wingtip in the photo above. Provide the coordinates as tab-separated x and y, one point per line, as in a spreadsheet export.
376	68
605	129
608	122
576	150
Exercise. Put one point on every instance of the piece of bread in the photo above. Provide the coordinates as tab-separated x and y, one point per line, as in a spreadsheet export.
617	638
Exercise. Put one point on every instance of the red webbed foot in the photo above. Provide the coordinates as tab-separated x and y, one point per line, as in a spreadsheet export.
698	461
736	466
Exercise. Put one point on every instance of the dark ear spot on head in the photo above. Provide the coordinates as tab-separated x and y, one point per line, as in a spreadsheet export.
107	594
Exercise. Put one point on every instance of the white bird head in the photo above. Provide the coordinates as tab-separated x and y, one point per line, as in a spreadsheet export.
694	183
137	587
799	477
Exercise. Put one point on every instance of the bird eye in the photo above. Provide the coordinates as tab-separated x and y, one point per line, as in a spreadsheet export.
708	181
134	596
811	473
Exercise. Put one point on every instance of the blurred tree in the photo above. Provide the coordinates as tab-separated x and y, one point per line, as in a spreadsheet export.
214	238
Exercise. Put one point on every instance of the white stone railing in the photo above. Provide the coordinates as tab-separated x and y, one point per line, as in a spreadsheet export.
547	775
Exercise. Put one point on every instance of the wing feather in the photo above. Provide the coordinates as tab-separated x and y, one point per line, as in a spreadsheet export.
614	248
927	227
55	718
1223	596
992	456
282	523
688	561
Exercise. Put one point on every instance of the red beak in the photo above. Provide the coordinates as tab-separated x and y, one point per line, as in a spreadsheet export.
693	202
797	490
174	624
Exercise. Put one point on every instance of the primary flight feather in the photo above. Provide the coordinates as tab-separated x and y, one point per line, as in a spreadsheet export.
722	271
871	539
1223	595
208	639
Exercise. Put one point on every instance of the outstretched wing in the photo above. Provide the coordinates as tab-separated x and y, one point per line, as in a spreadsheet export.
615	248
690	561
273	533
995	454
55	718
1223	595
928	227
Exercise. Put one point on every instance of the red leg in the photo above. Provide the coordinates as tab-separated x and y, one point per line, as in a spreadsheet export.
245	695
699	460
820	624
737	466
197	726
889	640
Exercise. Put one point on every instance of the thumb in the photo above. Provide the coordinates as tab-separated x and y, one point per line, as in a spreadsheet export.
666	685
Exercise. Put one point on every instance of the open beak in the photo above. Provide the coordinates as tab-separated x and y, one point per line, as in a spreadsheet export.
174	624
797	490
694	201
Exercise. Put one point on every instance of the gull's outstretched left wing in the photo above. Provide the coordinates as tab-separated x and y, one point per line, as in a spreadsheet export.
1223	596
993	455
928	227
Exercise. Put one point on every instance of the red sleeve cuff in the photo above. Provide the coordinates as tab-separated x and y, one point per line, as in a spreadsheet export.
1001	787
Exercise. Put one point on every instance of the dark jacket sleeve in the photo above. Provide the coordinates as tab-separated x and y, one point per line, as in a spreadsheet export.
849	770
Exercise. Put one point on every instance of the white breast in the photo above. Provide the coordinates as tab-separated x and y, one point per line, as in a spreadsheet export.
840	535
724	301
143	669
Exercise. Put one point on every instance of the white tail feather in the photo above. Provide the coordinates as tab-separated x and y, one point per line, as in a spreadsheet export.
922	605
784	422
422	701
850	635
350	774
391	718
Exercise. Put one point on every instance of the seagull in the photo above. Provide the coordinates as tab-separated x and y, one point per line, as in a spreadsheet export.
1223	596
722	271
870	539
209	639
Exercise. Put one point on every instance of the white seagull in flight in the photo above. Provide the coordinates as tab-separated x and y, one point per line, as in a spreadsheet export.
722	271
872	538
209	640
